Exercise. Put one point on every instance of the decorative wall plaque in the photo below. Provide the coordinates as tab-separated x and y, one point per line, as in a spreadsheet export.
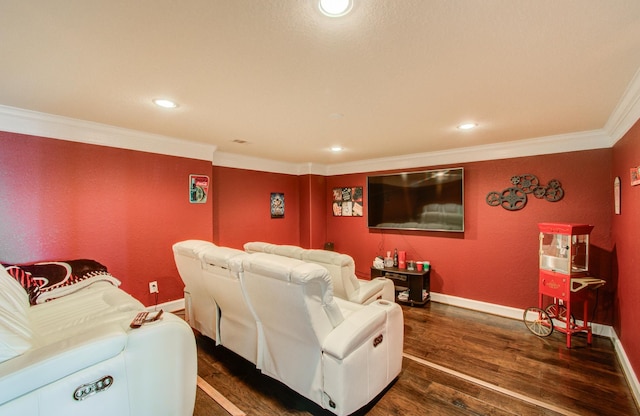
514	198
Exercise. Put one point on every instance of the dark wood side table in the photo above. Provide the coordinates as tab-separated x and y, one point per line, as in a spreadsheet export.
414	280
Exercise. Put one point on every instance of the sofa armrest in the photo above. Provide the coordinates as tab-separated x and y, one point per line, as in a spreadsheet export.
44	365
370	290
356	329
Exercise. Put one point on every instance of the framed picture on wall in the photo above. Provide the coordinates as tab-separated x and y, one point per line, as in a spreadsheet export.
347	202
277	205
616	195
198	189
635	176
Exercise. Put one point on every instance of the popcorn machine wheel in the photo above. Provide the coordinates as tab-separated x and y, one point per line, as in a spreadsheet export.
541	321
564	263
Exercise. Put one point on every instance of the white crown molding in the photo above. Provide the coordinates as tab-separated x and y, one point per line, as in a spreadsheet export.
33	123
595	139
626	113
588	140
232	160
64	128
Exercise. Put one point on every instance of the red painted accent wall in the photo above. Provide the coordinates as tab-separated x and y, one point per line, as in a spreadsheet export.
63	200
242	207
626	231
66	200
313	227
496	259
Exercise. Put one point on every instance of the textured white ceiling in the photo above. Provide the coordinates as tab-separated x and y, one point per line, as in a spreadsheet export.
391	78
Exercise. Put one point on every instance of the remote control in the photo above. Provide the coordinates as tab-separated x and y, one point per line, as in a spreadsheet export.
154	316
139	319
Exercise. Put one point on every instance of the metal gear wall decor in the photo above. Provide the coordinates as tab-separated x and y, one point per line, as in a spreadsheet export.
514	198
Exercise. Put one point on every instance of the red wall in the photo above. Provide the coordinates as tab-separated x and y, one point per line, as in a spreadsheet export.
496	259
80	200
242	207
625	231
66	200
313	227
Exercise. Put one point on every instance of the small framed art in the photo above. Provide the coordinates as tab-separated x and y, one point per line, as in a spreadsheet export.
347	202
277	205
616	195
198	189
635	176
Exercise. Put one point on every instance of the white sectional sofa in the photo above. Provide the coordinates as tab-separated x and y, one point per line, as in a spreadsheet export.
280	314
341	268
77	355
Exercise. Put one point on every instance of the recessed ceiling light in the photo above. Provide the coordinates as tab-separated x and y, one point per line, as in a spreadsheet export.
335	8
164	103
336	148
467	126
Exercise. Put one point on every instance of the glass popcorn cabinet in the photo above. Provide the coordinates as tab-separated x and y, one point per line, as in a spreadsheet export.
564	248
563	276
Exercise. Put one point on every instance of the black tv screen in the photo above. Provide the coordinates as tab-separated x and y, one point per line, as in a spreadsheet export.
430	200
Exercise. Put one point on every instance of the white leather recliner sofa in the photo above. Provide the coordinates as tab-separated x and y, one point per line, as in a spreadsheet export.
77	355
341	268
337	353
235	324
214	302
199	306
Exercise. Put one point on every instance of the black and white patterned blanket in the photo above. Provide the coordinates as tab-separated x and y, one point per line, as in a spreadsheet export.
50	280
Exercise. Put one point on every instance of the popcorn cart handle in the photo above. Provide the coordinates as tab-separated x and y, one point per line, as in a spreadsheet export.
584	282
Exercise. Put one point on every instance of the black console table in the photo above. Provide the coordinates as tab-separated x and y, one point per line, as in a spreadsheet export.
414	280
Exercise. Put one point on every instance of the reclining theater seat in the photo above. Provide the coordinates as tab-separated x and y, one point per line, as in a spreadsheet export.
339	354
235	324
341	268
199	306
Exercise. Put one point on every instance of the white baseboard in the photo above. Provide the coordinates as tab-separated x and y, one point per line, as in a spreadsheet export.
172	306
630	375
515	313
492	308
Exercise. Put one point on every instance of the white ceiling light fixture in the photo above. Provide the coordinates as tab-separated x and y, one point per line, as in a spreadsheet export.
336	149
335	8
467	126
164	103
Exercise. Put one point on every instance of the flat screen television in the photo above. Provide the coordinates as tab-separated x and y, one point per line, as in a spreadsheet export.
431	200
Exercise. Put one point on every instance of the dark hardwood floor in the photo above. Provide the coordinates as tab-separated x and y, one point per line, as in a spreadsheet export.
457	362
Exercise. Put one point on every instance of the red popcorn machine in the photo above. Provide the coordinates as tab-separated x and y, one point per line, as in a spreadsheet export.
563	277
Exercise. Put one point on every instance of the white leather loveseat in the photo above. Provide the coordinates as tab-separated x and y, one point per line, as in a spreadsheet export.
337	353
341	268
77	355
